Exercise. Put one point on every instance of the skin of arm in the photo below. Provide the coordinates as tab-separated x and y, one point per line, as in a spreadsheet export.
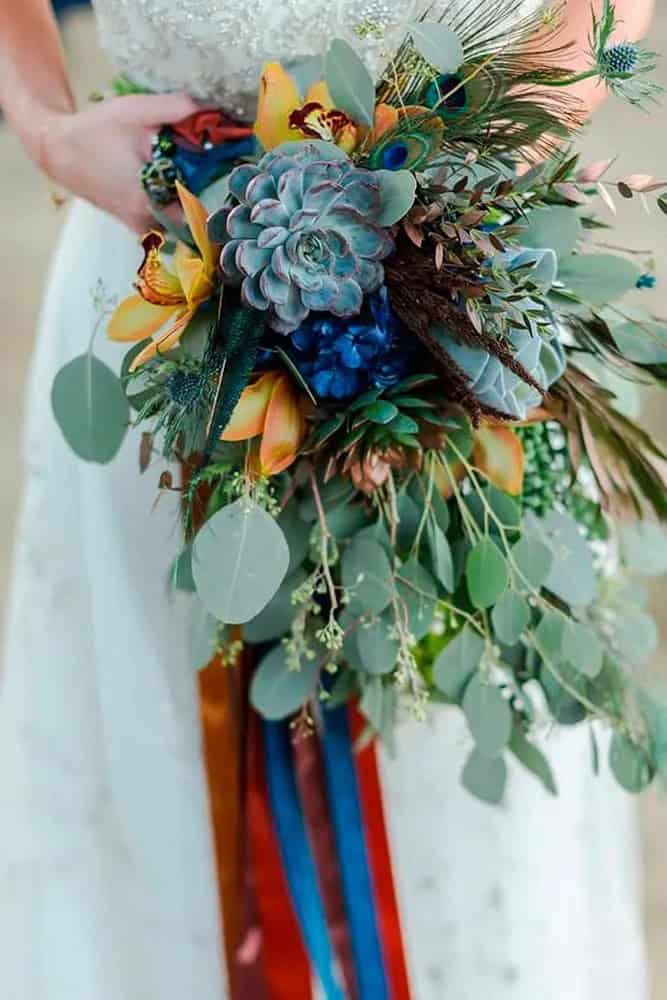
97	152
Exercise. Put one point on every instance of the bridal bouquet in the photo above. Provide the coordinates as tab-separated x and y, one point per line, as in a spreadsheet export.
390	351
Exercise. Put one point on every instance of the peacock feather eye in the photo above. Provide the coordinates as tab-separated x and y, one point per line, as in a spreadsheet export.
448	94
411	144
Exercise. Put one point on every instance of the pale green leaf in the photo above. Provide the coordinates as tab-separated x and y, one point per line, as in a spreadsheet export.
418	596
378	650
239	559
485	777
510	617
399	188
486	573
582	648
350	84
457	662
90	408
533	560
366	573
629	764
488	715
598	278
275	619
441	555
533	759
554	226
438	45
276	691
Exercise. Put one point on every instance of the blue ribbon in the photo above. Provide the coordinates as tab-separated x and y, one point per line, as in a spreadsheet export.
352	855
199	169
296	855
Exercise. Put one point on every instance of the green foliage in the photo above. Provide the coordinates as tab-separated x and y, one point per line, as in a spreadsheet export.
276	691
457	662
90	408
485	777
438	45
239	560
488	715
349	83
367	575
510	617
486	573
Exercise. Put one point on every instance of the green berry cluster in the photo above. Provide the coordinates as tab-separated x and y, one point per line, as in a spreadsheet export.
548	473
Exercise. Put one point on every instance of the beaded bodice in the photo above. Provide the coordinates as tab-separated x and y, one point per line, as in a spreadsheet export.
215	49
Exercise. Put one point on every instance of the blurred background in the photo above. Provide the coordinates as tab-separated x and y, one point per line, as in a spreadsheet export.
32	224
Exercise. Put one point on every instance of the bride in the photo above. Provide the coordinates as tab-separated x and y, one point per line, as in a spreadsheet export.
107	883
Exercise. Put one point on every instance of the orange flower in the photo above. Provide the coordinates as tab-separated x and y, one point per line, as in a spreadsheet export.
167	299
283	117
270	407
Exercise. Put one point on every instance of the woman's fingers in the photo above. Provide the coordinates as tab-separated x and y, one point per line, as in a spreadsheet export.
153	110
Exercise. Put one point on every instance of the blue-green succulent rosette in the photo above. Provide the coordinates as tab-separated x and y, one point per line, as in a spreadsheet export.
305	230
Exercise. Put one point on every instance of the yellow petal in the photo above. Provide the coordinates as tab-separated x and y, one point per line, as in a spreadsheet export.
193	276
136	319
319	94
386	118
165	342
196	217
278	97
498	453
248	418
284	429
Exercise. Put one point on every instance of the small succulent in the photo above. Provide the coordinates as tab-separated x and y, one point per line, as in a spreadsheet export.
501	389
342	357
301	233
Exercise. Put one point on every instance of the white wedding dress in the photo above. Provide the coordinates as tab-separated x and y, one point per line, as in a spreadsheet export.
107	887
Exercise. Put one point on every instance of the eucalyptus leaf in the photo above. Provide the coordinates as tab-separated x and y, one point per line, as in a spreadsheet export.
181	571
629	764
90	408
554	226
533	759
486	573
398	189
349	83
644	547
598	278
441	555
275	619
418	595
296	534
643	342
378	650
457	662
239	559
485	777
488	715
366	573
276	692
510	617
572	574
582	648
438	45
533	559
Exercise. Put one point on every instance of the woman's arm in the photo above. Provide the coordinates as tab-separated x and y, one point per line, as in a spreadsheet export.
634	18
95	153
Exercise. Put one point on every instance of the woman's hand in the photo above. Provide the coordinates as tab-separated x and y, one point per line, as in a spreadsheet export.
97	153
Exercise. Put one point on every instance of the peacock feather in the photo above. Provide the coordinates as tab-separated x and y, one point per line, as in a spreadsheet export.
493	103
414	142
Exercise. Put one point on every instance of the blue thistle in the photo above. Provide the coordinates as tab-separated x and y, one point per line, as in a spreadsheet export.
340	357
620	58
646	281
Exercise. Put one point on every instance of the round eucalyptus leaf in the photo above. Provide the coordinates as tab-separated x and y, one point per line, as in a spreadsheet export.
438	45
378	650
533	759
582	648
554	226
366	573
371	703
275	619
418	596
239	559
510	617
644	546
276	691
485	777
441	556
297	534
349	83
643	342
457	662
629	764
399	188
486	573
572	575
90	408
533	559
488	715
598	278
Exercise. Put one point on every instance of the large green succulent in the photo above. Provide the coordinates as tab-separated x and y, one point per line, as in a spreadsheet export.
301	232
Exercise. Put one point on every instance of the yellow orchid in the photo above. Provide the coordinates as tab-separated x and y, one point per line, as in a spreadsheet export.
166	300
270	407
283	117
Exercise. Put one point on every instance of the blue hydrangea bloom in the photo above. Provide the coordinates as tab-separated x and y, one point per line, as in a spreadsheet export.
340	358
301	233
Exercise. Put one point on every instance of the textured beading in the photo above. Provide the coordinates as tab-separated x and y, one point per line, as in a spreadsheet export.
214	49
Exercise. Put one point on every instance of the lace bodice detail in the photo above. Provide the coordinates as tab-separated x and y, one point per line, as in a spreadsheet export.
215	49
